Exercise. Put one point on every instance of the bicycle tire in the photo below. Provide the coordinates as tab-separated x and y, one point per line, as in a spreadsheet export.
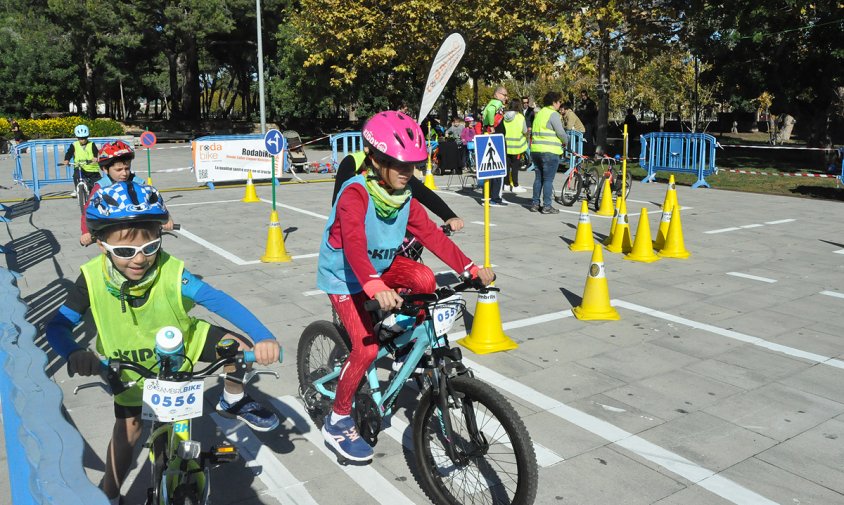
158	463
321	347
616	184
82	192
572	187
448	488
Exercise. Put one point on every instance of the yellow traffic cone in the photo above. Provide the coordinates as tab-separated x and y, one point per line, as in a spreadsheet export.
674	244
606	208
250	196
595	305
613	223
643	247
621	241
275	252
429	176
487	335
665	220
583	240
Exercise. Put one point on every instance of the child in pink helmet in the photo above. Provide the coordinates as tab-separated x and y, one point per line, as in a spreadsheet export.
358	261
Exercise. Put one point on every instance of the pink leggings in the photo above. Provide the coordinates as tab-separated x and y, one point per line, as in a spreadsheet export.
403	273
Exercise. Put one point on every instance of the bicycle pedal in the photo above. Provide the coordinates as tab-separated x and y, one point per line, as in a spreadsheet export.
223	453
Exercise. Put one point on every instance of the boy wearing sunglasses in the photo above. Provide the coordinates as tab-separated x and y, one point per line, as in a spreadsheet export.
133	289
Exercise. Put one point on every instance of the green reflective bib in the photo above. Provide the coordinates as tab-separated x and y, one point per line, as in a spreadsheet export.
130	335
84	157
545	140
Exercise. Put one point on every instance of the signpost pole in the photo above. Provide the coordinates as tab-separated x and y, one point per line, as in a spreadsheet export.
149	170
274	182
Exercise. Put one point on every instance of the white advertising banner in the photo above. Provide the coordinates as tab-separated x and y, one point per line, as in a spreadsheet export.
231	160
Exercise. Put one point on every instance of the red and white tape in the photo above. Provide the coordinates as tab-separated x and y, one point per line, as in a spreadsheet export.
780	147
785	174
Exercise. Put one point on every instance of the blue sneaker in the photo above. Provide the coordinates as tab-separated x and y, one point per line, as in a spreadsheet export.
346	440
250	412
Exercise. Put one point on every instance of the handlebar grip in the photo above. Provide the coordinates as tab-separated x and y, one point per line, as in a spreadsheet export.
176	226
249	356
371	305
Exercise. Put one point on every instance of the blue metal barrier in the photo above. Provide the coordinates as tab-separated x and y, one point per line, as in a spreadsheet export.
841	154
351	142
575	146
678	152
44	452
45	156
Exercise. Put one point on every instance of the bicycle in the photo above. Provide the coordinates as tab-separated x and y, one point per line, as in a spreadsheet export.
469	442
589	177
82	189
180	469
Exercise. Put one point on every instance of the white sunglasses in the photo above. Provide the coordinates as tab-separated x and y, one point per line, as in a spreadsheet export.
130	251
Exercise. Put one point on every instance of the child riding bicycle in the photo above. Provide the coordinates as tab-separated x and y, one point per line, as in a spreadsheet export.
84	156
134	288
358	259
115	159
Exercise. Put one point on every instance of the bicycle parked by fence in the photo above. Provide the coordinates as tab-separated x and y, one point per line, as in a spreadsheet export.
180	468
470	445
587	179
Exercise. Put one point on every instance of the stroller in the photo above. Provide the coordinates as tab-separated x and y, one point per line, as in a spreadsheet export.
296	150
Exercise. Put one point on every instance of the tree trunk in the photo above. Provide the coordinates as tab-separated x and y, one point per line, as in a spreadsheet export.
190	93
603	88
475	92
172	63
90	92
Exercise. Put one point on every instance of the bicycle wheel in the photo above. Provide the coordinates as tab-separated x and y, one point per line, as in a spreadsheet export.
82	195
571	189
158	463
321	348
498	463
616	184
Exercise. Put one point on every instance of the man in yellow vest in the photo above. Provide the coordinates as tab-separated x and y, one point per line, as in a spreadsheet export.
84	156
515	138
548	139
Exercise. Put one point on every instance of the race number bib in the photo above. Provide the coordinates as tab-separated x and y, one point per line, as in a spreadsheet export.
166	401
445	314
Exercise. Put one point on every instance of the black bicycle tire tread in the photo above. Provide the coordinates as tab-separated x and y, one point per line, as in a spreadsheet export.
313	330
507	417
578	182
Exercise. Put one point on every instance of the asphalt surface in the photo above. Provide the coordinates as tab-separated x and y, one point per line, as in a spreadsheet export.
721	382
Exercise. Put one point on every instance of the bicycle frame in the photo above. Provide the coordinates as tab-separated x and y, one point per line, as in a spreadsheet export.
177	432
425	338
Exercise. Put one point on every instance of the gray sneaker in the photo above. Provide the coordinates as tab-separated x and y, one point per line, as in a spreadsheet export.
550	210
534	208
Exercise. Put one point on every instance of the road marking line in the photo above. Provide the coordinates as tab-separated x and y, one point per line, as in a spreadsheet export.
833	293
169	170
314	292
280	483
481	223
520	323
722	230
751	225
657	204
367	477
200	203
790	351
780	221
296	209
840	251
752	277
675	463
219	250
590	214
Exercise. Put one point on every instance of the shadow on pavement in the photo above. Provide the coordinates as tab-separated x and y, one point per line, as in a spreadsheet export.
26	207
825	192
25	252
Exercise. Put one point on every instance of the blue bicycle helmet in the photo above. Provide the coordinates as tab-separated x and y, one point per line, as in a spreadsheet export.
124	202
81	131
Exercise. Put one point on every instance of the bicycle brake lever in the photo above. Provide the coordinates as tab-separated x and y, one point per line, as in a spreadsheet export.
92	385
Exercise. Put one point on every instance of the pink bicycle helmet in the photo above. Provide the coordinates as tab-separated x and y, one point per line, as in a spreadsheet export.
395	136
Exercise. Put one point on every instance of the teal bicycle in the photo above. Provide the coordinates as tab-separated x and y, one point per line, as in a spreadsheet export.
470	445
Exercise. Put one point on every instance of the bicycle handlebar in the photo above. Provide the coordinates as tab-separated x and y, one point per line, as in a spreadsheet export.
410	303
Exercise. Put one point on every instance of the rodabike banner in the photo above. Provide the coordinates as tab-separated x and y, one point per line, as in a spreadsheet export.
231	160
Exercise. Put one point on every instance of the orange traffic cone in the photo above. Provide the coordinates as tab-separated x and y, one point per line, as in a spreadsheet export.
621	241
674	244
595	305
665	220
250	196
642	246
275	252
606	207
583	240
487	335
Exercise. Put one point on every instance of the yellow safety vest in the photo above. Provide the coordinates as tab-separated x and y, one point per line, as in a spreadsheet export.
84	157
130	335
545	140
513	136
359	158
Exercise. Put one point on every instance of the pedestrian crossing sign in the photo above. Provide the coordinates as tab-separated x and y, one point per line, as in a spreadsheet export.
490	160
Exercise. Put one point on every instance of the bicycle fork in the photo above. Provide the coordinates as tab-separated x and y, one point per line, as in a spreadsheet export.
445	397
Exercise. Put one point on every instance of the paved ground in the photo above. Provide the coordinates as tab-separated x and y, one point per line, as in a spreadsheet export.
721	382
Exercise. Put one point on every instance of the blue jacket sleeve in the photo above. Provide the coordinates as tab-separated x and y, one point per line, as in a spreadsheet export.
60	331
224	306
